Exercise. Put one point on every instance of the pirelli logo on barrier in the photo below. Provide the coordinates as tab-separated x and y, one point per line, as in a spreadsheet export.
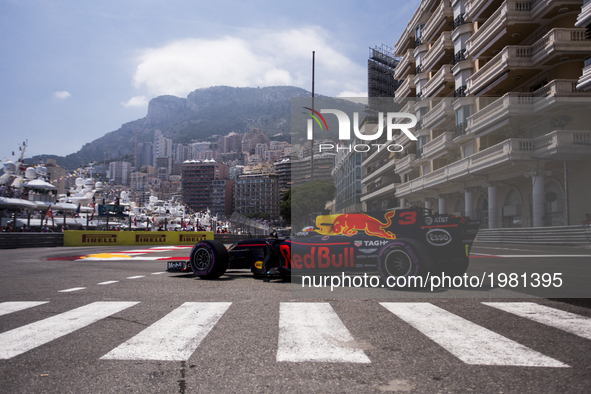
99	238
191	238
104	238
151	238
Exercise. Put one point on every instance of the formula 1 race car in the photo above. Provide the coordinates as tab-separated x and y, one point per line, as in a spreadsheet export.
400	242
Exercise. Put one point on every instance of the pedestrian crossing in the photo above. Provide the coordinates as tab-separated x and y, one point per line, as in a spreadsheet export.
307	331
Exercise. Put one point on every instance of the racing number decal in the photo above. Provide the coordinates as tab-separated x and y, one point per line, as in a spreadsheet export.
410	218
286	253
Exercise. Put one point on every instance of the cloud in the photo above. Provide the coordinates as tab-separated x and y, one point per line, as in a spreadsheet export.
261	58
62	95
137	101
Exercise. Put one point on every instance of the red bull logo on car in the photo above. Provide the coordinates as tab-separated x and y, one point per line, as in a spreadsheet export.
350	224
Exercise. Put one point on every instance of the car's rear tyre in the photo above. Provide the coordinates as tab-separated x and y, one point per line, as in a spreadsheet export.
209	259
398	259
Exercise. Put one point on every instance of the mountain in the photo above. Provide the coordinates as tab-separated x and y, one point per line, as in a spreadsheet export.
204	113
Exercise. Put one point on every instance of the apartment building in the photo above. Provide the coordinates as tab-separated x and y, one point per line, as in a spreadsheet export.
257	193
501	93
201	189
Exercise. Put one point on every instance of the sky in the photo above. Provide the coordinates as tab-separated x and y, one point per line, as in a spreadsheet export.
73	70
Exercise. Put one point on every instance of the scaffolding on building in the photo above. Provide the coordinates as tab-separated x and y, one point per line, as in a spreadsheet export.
380	72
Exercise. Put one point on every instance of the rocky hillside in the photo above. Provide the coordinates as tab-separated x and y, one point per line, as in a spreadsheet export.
205	112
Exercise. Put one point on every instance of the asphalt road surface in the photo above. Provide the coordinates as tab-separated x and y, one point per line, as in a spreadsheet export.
117	323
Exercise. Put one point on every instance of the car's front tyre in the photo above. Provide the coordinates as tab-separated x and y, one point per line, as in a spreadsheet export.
209	259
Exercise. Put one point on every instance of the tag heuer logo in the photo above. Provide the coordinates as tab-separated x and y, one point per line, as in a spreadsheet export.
358	243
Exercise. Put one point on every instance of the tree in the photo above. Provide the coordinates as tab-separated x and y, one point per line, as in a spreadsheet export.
285	207
309	200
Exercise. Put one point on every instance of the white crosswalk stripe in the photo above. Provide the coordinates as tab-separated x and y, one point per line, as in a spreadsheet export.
308	332
23	339
174	337
15	306
311	331
566	321
467	341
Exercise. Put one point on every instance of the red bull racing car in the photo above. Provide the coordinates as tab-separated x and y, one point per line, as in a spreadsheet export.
400	242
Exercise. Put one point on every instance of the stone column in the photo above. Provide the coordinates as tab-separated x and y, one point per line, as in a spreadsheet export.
469	203
537	180
442	208
492	206
428	203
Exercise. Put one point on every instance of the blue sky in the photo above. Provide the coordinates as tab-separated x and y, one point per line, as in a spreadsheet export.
72	71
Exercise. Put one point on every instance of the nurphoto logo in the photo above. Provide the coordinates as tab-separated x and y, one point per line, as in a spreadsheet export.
345	129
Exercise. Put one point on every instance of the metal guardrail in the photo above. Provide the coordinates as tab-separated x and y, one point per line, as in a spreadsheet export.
564	235
30	240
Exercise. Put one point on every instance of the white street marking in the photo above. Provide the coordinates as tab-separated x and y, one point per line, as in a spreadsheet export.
25	338
158	273
72	289
174	337
108	282
566	321
136	277
15	306
312	331
469	342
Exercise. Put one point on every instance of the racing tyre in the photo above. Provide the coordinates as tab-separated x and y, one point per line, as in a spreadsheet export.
209	259
398	259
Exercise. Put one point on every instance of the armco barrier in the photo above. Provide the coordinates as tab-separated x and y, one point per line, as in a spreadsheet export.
564	235
151	238
30	240
231	238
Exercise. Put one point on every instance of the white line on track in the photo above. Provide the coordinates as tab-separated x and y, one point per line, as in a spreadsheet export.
72	289
531	255
467	341
135	277
566	321
25	338
174	337
158	273
109	282
312	331
15	306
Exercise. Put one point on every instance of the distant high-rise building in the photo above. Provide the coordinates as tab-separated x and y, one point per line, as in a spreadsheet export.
119	172
198	185
257	193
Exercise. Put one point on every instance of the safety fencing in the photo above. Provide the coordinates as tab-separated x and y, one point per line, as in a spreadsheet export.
563	235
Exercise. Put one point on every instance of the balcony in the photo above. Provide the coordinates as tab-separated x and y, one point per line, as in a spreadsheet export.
406	89
564	145
406	164
504	18
385	166
584	18
440	115
496	157
438	21
584	82
441	52
459	21
514	104
513	60
442	83
406	65
438	146
378	192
